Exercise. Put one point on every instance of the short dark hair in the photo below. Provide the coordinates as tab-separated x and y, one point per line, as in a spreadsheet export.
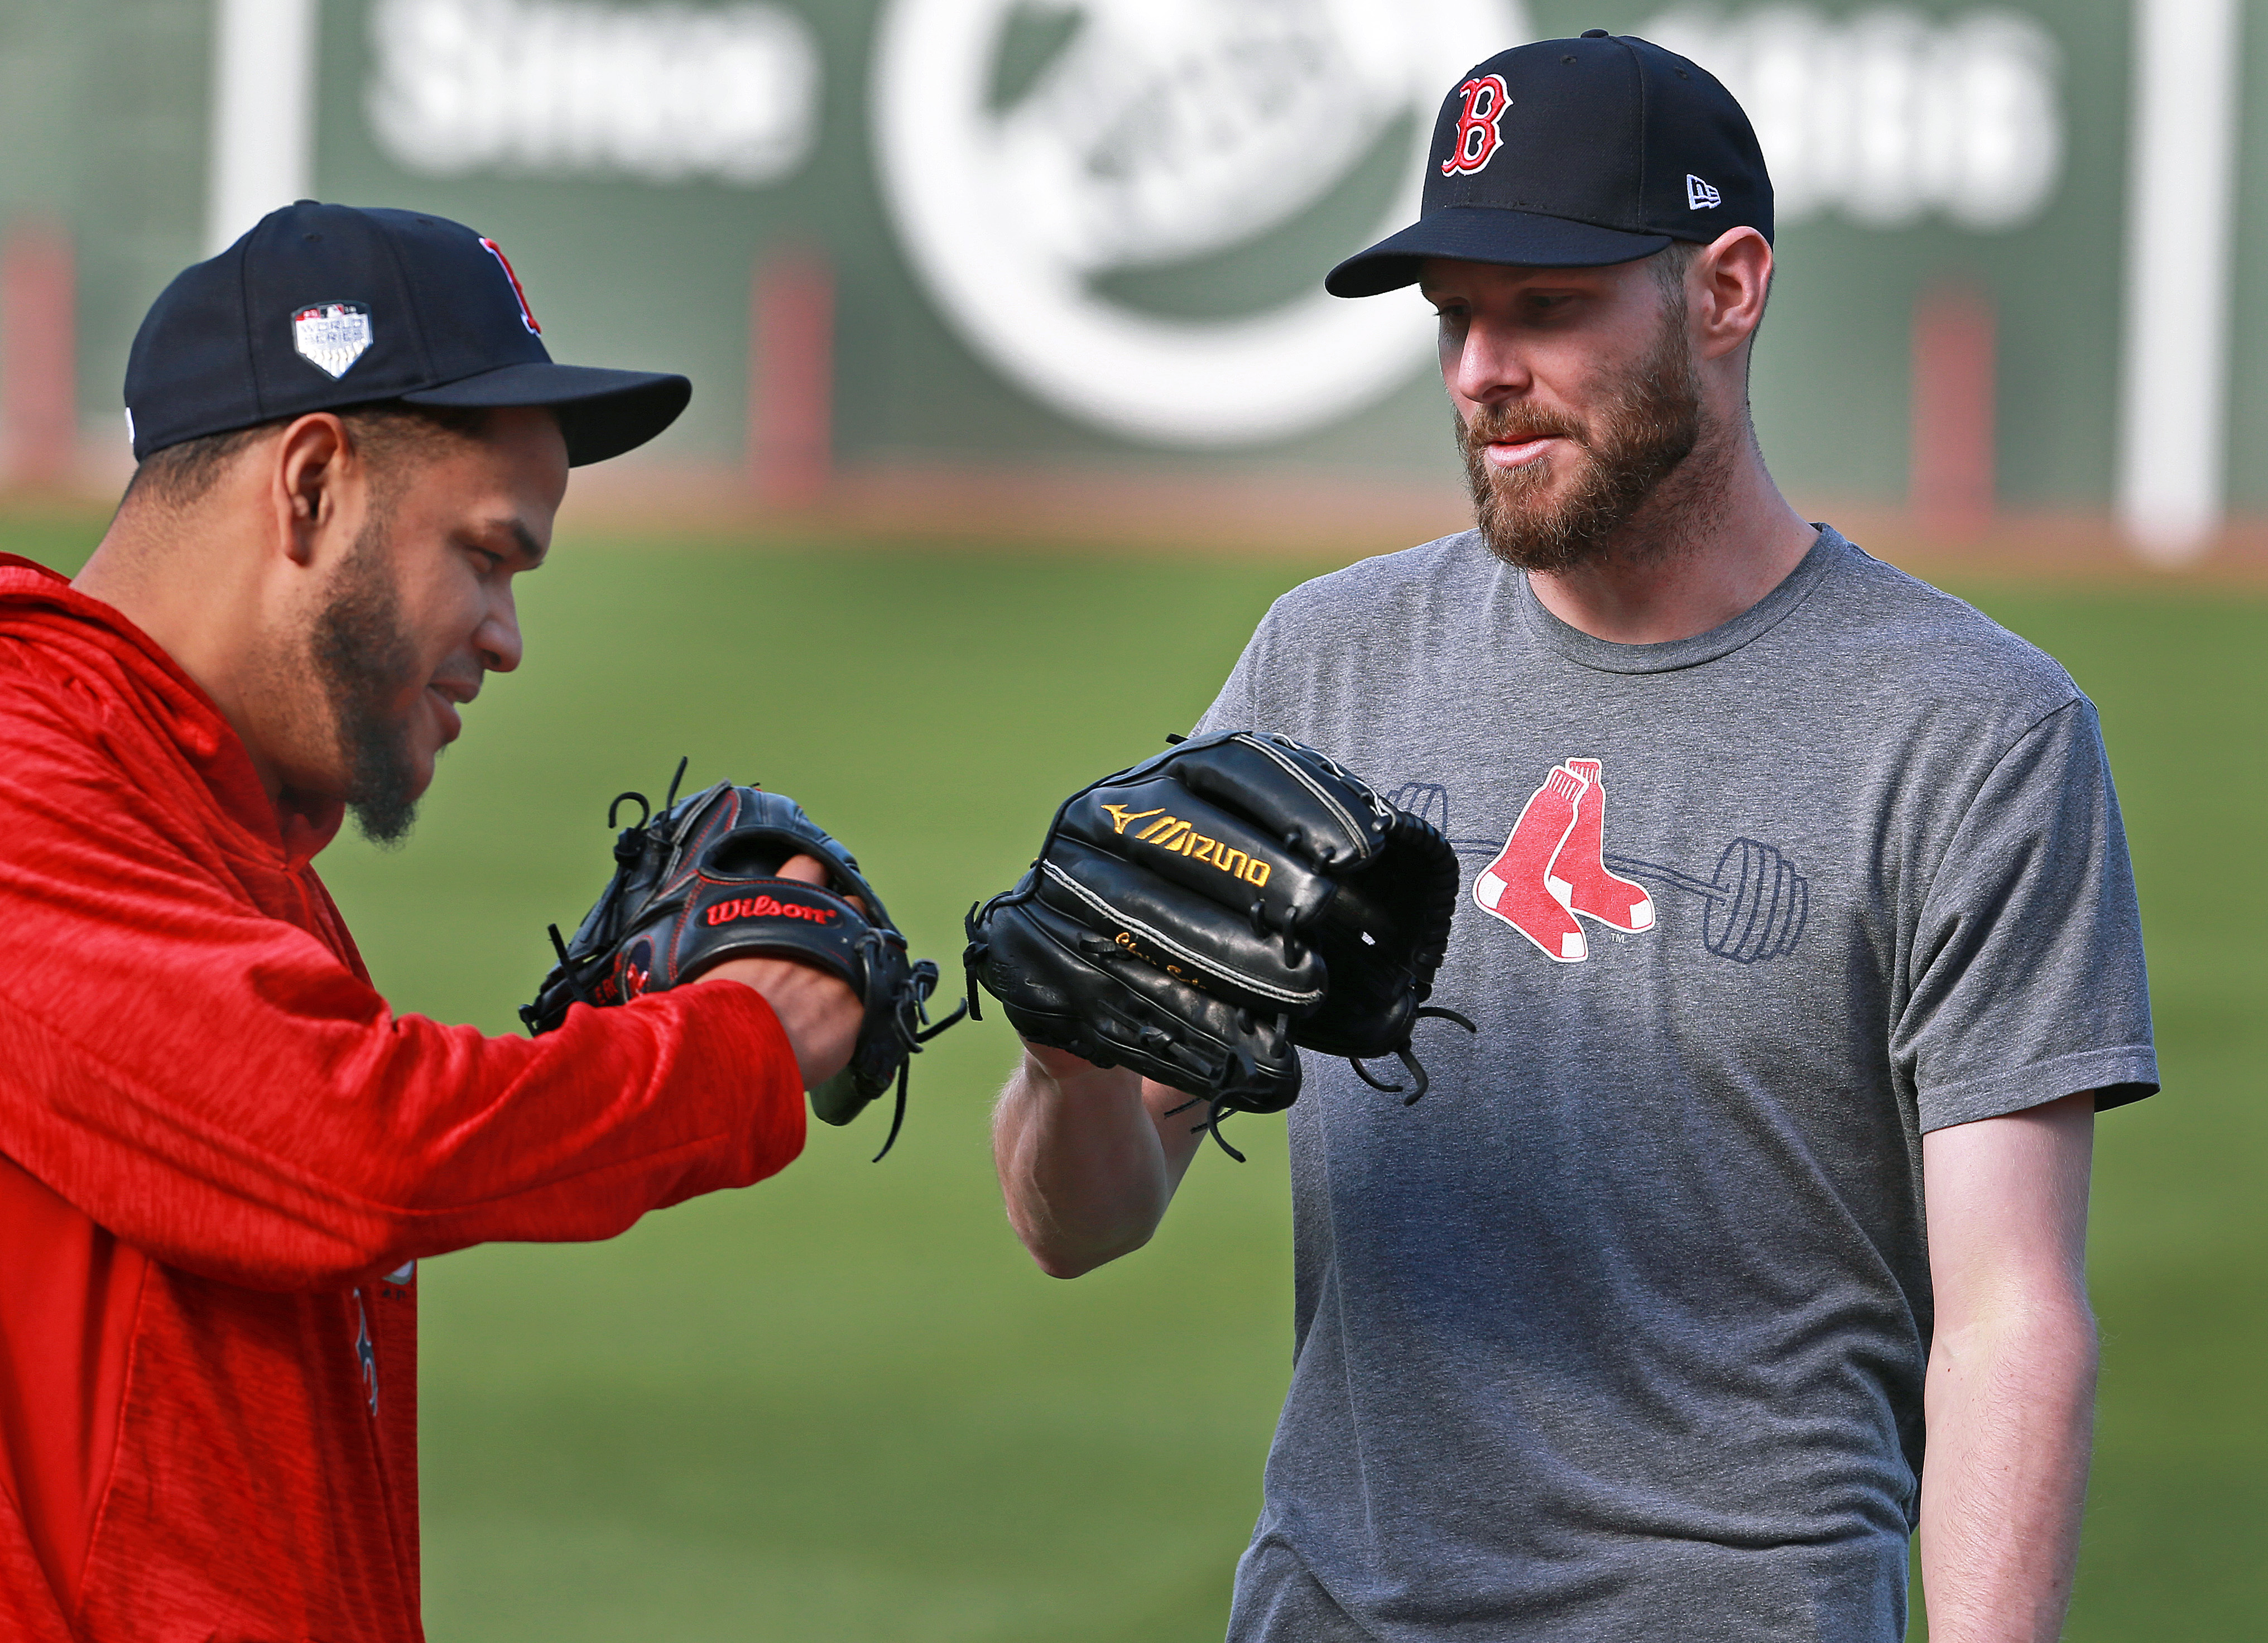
1670	262
384	432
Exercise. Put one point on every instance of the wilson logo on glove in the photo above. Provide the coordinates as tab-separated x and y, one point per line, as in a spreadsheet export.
766	907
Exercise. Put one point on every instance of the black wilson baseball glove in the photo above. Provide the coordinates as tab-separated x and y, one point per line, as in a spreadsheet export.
1197	917
697	884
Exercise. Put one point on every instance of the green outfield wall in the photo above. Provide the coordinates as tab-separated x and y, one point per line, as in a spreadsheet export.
1092	232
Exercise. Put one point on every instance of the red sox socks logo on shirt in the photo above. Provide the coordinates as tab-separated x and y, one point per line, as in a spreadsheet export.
1553	868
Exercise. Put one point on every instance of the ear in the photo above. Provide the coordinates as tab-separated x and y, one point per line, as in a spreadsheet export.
1725	291
318	484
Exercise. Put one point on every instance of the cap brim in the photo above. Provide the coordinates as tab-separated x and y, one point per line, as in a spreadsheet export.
1486	233
602	413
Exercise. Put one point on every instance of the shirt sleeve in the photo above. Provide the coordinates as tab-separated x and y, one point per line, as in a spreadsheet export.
219	1089
1237	706
2025	974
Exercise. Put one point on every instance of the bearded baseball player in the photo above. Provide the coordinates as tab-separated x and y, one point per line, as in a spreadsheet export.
1745	1237
221	1154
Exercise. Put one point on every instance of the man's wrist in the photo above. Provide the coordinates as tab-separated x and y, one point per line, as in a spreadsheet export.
1060	1072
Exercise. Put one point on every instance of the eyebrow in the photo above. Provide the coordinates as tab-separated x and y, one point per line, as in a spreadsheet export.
530	550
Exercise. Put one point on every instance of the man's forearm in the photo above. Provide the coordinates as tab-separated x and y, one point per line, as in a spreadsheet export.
1081	1164
2010	1398
2011	1411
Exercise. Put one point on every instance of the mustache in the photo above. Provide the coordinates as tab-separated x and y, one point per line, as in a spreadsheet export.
1510	424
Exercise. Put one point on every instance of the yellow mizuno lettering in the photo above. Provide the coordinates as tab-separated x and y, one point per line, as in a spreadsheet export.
1257	874
1159	829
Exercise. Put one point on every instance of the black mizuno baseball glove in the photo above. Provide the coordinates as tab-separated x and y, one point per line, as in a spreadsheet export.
698	884
1199	916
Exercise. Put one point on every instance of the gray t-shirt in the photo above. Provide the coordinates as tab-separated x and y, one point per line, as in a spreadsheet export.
1619	1334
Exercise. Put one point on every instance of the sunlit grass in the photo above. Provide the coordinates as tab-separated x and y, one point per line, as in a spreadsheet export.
844	1405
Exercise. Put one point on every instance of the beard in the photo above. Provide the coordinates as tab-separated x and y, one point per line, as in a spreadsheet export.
1648	422
365	661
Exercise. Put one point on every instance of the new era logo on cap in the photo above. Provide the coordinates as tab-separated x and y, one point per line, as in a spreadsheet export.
1699	197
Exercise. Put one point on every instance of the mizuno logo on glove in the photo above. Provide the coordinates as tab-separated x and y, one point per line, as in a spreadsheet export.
1178	837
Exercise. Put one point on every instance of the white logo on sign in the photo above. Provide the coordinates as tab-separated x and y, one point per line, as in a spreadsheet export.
332	335
1163	132
1699	197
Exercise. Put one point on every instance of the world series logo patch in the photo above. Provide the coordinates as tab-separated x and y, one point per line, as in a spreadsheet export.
332	335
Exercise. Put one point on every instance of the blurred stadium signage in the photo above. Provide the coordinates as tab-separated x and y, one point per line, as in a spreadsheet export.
1162	131
896	237
1888	115
538	88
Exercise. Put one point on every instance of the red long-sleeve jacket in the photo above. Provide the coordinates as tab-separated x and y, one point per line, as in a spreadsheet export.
220	1154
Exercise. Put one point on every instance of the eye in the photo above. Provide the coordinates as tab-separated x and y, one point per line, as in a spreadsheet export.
486	563
1548	305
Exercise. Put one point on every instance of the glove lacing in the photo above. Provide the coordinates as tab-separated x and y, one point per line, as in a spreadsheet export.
1218	1110
913	1024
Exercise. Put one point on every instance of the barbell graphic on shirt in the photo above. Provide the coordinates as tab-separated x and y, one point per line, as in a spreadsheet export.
1758	904
1755	903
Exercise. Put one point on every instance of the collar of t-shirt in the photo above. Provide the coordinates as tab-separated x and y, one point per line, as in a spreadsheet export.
1828	549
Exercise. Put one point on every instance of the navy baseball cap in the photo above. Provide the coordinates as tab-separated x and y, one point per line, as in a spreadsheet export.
321	307
1575	153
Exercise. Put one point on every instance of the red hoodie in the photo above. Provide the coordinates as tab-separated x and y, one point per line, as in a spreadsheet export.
220	1154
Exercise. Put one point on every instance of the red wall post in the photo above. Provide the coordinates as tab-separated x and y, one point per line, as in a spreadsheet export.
792	379
1951	476
38	354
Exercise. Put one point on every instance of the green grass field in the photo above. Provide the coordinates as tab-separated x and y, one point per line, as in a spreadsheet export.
844	1405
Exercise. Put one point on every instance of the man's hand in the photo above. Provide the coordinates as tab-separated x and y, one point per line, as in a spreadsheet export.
2010	1398
1088	1159
817	1010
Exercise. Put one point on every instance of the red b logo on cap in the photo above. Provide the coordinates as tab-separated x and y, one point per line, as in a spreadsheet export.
1485	101
527	317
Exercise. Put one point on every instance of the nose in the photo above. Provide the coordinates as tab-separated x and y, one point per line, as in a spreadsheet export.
1483	364
497	638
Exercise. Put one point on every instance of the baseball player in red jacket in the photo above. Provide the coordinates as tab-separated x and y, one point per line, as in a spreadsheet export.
221	1154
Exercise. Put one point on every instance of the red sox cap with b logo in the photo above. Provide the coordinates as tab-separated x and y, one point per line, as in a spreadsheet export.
1575	153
